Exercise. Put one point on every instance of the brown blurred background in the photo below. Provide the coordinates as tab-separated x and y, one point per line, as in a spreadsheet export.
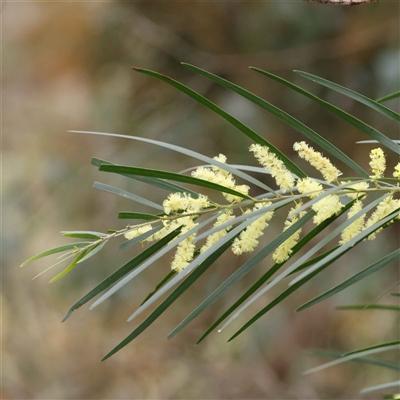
67	65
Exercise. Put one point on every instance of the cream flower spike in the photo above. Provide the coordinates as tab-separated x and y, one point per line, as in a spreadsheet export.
318	161
221	177
377	163
396	172
276	167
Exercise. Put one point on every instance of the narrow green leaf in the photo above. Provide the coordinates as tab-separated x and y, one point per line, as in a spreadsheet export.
83	234
362	126
310	253
160	284
365	360
128	267
132	215
170	187
306	239
124	170
70	266
369	307
149	262
362	235
285	117
280	298
352	280
55	250
190	153
377	346
235	122
388	385
352	357
389	97
171	298
126	195
375	105
242	271
92	251
395	294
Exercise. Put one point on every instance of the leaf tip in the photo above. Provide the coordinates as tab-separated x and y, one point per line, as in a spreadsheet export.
67	315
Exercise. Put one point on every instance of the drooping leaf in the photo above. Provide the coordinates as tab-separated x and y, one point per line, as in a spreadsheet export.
235	122
349	358
375	105
133	215
149	262
70	266
170	187
242	271
230	168
126	195
55	250
159	285
306	239
84	234
285	117
364	360
126	170
388	385
355	278
377	346
369	307
171	298
121	272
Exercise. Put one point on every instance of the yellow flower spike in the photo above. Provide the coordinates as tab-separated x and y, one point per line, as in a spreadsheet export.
396	172
215	237
384	208
310	187
248	239
326	207
221	177
276	167
356	227
377	163
318	161
135	232
283	252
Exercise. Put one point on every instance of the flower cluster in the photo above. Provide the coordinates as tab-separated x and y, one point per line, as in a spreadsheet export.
248	239
377	163
318	161
283	252
221	177
275	166
181	210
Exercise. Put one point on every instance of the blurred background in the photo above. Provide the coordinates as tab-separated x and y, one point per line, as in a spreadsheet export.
67	65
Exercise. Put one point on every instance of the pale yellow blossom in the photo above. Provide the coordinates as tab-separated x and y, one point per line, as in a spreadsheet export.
377	163
185	249
183	202
396	172
356	227
247	241
310	187
326	207
318	161
135	232
283	252
358	189
215	237
384	208
276	167
221	177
